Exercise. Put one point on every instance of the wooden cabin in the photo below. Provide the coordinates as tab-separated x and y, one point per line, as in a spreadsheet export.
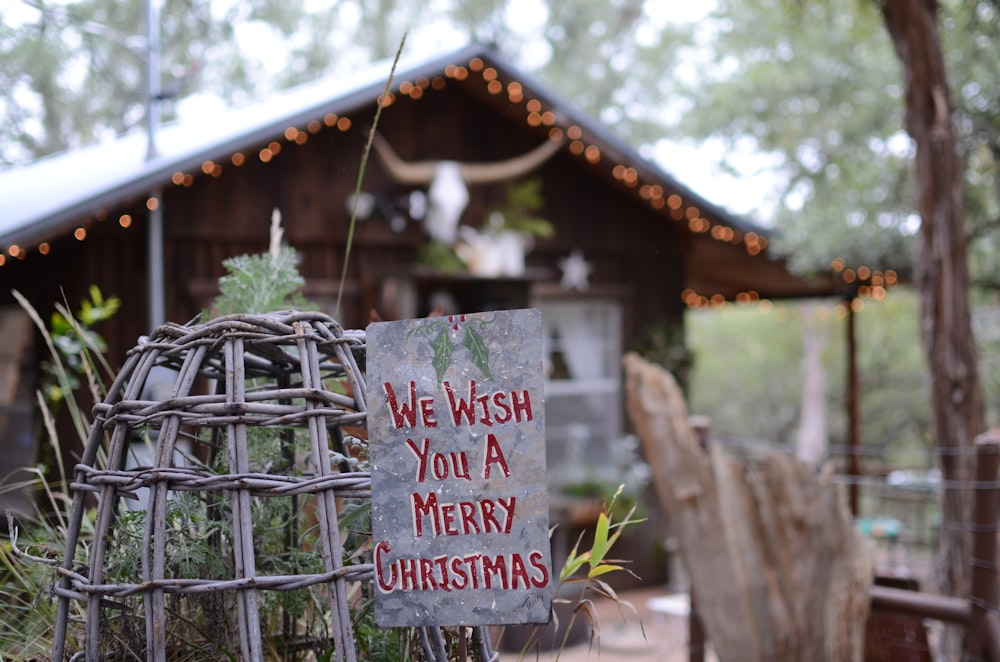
632	247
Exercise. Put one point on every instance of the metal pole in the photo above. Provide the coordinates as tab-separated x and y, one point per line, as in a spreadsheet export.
154	240
152	76
154	263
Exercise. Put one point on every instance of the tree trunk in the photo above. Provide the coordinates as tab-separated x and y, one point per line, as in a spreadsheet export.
810	443
779	572
942	274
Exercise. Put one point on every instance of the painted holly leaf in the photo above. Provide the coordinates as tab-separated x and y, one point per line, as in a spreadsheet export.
480	352
442	353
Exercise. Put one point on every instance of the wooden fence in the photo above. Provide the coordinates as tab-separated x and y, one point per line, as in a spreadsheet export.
777	565
978	613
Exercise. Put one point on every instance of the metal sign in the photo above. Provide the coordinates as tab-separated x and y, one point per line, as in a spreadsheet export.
457	447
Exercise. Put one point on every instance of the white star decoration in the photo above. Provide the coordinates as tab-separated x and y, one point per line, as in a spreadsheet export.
575	271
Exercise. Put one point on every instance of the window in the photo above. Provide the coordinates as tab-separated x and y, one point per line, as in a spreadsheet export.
582	350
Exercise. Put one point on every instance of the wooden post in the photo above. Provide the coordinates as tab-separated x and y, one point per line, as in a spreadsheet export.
696	634
983	580
696	629
853	411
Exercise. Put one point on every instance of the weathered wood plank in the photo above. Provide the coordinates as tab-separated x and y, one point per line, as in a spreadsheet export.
777	568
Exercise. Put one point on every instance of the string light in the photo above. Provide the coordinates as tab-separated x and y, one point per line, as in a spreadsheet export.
535	115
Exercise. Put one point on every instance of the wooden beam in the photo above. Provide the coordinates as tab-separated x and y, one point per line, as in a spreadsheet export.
926	605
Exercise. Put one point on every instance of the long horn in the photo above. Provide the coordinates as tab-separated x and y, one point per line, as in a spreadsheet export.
411	174
422	172
484	173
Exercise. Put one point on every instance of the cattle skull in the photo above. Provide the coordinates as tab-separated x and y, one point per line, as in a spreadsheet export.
448	181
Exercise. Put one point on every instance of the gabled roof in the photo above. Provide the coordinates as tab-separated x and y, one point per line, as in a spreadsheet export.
47	197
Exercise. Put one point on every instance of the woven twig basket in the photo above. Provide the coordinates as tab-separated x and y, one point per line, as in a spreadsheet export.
200	396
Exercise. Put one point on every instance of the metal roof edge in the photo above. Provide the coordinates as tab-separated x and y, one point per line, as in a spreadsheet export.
156	173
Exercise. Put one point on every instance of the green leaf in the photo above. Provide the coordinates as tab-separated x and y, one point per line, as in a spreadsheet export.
572	564
603	569
600	546
480	352
442	353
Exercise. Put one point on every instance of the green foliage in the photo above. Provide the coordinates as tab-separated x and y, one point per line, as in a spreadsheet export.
817	88
36	542
663	343
986	324
261	283
395	645
79	346
27	610
609	58
594	563
524	199
748	373
78	67
439	256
